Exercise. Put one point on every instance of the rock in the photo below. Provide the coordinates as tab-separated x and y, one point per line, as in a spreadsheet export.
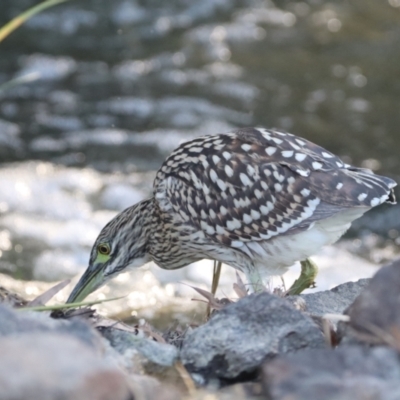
143	355
238	391
50	365
14	322
237	339
44	358
162	354
334	301
347	373
10	298
376	311
148	388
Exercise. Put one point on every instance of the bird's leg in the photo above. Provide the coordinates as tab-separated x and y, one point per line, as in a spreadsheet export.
306	279
216	275
215	281
255	280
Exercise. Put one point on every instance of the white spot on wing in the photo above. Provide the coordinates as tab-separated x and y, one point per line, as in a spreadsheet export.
375	201
278	176
305	192
246	147
227	155
303	172
250	170
228	171
247	219
245	179
327	155
264	185
287	153
221	184
317	165
270	150
362	196
339	185
255	214
220	230
277	141
216	159
213	176
195	149
233	224
384	198
264	210
300	142
294	146
300	157
265	133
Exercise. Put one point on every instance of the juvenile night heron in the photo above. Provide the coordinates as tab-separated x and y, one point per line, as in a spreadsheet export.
256	199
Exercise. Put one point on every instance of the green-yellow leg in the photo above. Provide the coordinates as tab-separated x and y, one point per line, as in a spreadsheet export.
309	271
256	282
215	281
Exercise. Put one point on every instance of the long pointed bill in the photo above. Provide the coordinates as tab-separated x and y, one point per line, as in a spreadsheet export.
91	280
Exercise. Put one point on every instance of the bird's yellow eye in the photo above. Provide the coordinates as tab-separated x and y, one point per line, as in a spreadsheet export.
104	248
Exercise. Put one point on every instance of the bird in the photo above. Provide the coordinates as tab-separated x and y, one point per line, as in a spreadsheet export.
255	199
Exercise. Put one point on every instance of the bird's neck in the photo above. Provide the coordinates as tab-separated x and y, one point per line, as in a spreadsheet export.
164	245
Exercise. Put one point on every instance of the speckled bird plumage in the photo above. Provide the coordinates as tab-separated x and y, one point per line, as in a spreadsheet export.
256	199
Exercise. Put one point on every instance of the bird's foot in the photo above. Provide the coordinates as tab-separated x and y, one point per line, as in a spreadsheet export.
309	271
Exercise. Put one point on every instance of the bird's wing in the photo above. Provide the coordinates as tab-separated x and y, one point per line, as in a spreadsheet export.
256	184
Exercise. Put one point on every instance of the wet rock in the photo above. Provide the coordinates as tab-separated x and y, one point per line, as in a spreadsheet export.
347	373
50	365
236	340
376	311
333	301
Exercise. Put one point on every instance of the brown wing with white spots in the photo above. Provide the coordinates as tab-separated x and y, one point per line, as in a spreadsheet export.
255	184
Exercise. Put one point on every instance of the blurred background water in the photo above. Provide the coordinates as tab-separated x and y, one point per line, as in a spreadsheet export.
111	87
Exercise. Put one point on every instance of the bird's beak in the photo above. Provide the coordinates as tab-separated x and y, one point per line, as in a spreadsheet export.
91	280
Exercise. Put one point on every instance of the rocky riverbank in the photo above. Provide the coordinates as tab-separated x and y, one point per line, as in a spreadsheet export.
342	344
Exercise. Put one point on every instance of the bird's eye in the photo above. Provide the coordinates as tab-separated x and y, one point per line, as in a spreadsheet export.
104	248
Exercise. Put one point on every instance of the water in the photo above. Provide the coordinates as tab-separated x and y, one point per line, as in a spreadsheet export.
112	87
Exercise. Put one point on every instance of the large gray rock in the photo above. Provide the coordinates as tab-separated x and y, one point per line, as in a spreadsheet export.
237	339
44	358
379	303
333	301
375	313
347	373
50	365
17	322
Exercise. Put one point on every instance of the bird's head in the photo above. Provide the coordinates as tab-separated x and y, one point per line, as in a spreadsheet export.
120	246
